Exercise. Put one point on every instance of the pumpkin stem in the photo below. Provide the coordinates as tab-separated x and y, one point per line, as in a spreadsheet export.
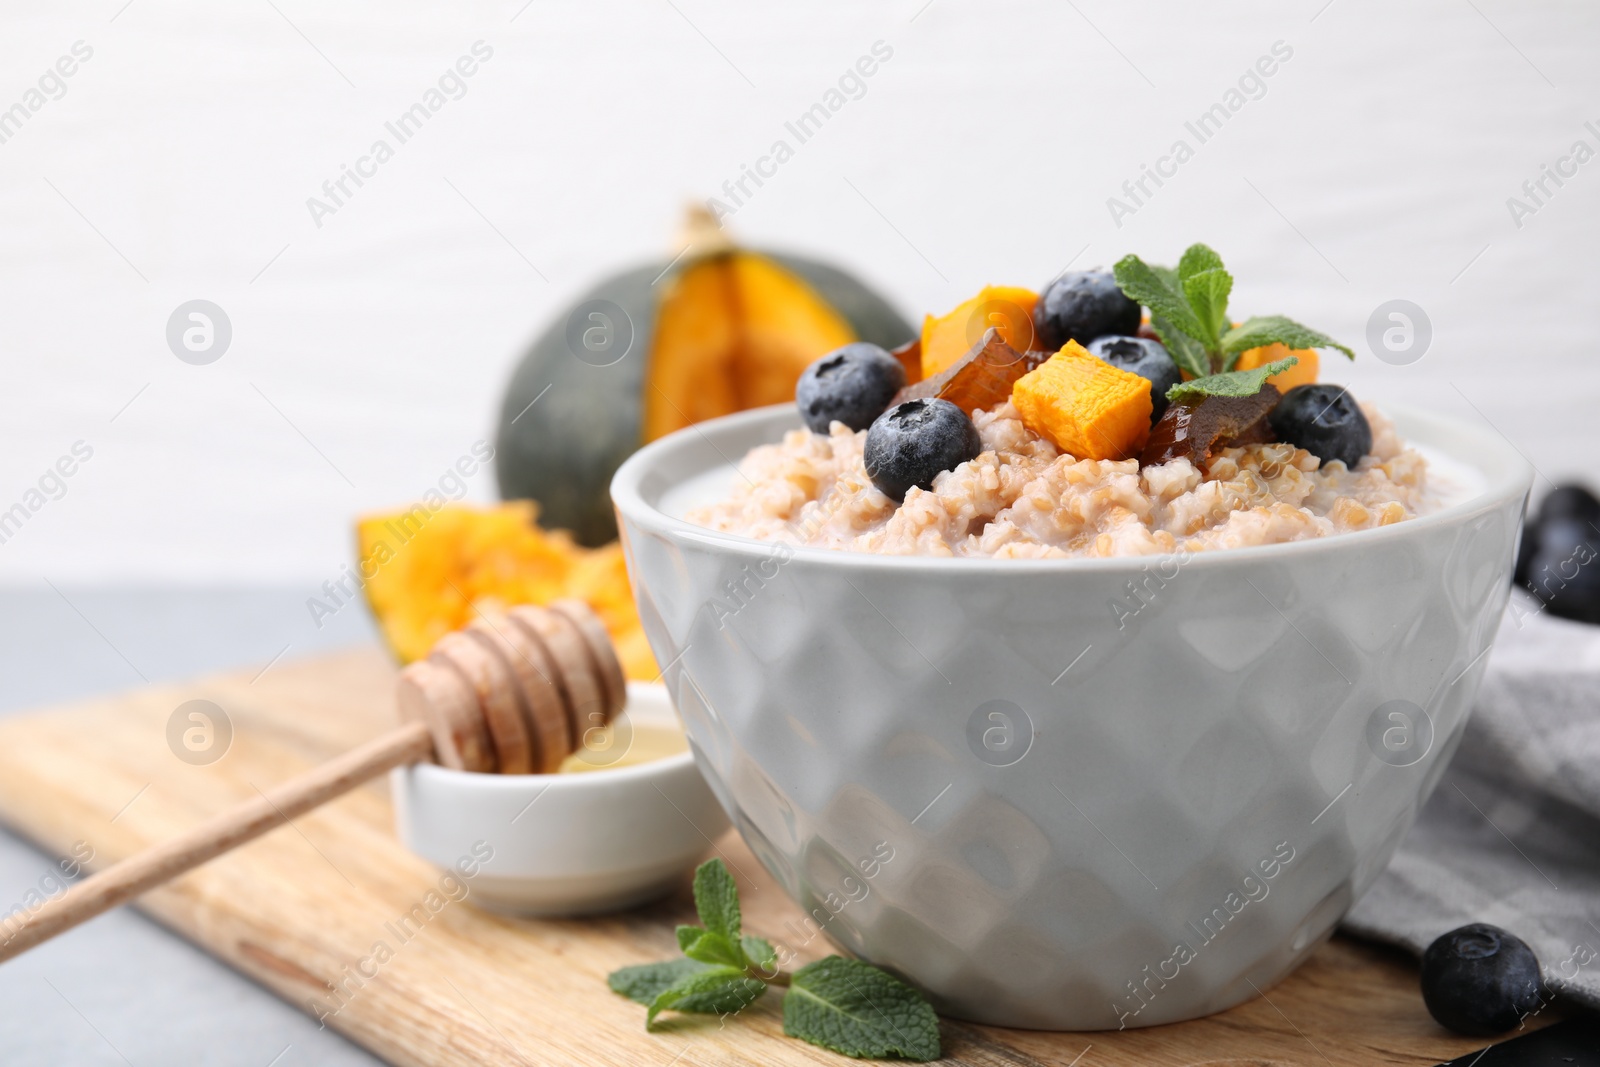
702	234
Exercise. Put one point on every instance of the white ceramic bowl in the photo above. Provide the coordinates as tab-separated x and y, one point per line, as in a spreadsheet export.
564	844
966	771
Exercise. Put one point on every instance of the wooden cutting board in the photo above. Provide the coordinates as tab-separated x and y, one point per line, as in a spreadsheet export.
298	908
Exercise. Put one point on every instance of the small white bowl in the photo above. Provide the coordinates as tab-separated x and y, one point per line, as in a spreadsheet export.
564	844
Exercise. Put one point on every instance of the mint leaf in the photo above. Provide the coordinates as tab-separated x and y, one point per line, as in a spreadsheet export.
688	935
759	954
1196	258
716	898
718	990
711	947
1207	292
1228	383
1262	330
854	1008
1149	287
646	981
1186	352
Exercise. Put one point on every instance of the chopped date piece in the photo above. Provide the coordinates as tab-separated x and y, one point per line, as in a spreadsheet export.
1195	431
979	380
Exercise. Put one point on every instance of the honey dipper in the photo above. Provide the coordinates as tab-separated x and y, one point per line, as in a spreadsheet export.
513	693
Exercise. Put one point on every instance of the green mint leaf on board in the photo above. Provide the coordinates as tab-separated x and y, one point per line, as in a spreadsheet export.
710	947
643	983
718	990
1207	292
1152	288
1262	330
716	898
1189	354
853	1008
837	1003
1228	383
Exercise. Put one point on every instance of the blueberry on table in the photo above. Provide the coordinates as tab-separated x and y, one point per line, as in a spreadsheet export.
852	384
1563	568
1081	306
1479	980
1527	548
1144	357
912	442
1570	502
1325	420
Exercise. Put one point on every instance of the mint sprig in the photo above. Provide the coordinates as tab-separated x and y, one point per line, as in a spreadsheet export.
841	1004
1189	312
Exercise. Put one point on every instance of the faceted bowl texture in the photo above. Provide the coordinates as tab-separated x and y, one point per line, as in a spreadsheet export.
1077	794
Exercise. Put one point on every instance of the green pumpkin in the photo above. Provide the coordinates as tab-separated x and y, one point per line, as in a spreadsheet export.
653	349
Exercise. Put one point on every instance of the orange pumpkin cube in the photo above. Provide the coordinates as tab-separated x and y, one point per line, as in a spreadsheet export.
947	338
1302	373
1087	407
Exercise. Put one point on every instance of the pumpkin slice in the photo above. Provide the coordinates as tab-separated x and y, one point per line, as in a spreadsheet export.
735	331
427	572
1087	407
979	380
909	356
948	338
1302	373
785	326
697	336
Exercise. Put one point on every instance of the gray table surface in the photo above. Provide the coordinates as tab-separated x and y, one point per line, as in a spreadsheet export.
121	990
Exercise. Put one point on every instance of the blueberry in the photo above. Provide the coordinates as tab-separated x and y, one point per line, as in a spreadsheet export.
1527	548
852	384
1146	358
1081	306
1480	980
1563	570
1570	502
912	442
1325	421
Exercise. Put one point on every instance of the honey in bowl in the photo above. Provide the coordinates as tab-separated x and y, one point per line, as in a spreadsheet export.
624	744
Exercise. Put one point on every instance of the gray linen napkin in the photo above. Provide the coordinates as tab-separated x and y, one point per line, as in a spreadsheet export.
1512	834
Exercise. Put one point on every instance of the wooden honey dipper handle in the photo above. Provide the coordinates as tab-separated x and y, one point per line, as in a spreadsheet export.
469	706
243	822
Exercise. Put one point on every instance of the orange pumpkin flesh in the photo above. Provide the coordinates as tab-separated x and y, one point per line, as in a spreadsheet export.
734	331
1302	373
427	574
945	340
1090	409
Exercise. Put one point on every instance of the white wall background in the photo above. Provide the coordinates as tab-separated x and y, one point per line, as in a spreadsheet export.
370	353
